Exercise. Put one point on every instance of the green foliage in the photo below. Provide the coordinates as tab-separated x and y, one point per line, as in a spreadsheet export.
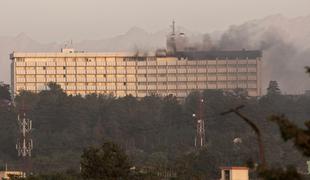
290	173
5	92
106	162
155	131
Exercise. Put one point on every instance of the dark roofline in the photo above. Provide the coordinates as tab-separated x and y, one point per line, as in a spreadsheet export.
212	55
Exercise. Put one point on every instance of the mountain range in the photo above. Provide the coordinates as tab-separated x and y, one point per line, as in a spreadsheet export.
284	42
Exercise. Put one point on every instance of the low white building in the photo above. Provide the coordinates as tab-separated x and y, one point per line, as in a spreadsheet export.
234	173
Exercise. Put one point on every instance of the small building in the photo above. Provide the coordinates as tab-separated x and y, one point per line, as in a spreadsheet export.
234	173
8	174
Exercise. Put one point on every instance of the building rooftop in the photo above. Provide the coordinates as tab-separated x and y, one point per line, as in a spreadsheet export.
200	55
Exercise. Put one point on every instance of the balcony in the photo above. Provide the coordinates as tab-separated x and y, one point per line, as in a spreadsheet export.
41	80
80	63
141	87
81	71
91	71
91	88
91	63
50	63
151	79
60	71
172	71
132	88
182	86
31	63
131	71
41	71
61	63
141	63
91	79
60	80
121	63
20	72
101	71
251	69
20	64
71	79
252	78
70	63
111	63
30	79
20	80
242	78
50	79
221	70
121	71
162	79
200	70
111	79
131	63
131	79
231	78
81	79
172	79
201	78
222	78
71	71
71	88
161	71
182	79
111	88
101	79
211	78
141	71
181	71
30	71
191	78
50	72
193	71
242	70
172	87
41	63
121	79
141	79
111	71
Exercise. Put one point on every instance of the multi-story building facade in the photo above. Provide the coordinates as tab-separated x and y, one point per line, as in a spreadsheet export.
127	73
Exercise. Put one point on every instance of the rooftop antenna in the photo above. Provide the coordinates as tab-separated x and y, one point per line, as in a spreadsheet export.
173	27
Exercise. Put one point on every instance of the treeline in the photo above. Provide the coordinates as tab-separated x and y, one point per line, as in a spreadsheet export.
156	132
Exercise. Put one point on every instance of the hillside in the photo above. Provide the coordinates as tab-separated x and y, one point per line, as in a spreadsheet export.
283	40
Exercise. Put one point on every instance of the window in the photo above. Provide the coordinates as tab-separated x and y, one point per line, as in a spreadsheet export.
227	175
64	67
125	83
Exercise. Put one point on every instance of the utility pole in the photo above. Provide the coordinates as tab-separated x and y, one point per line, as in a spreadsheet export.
200	139
24	143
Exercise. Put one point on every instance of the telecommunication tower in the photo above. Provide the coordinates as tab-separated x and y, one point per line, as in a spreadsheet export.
24	143
200	139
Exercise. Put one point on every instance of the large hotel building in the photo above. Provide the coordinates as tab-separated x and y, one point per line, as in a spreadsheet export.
122	74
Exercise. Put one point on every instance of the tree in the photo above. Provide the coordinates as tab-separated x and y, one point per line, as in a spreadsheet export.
273	89
5	92
105	162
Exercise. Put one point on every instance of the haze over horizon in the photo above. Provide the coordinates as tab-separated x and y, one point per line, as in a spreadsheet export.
58	20
281	31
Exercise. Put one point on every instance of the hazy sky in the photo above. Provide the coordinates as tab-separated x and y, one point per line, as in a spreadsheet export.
59	20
